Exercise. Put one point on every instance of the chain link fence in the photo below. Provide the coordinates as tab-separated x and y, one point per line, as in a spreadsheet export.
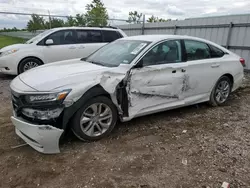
14	24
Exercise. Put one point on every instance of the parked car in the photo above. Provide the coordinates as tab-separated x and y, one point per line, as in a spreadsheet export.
128	78
55	45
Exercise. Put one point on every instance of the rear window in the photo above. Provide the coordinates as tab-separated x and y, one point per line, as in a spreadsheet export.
216	52
110	36
89	36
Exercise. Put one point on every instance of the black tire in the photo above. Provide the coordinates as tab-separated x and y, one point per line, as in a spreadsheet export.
213	100
24	63
77	128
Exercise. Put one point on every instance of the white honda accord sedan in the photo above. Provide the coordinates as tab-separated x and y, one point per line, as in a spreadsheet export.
127	78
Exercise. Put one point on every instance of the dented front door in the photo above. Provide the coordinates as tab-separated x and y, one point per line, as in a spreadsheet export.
160	82
155	88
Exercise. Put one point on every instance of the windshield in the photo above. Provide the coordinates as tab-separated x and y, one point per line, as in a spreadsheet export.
39	36
117	52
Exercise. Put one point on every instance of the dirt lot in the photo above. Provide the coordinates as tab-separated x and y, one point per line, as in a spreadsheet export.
152	151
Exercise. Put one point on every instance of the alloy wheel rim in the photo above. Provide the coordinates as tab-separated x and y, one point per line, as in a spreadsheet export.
222	92
29	65
96	119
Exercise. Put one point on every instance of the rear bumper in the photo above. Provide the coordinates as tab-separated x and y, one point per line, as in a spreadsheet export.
43	138
238	79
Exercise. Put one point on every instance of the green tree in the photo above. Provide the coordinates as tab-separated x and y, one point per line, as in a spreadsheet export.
70	21
134	17
97	14
152	19
80	20
164	20
55	22
37	22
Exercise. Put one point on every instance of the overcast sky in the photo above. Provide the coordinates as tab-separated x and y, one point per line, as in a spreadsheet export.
173	9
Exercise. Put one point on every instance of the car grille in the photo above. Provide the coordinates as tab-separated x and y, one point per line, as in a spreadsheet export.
17	103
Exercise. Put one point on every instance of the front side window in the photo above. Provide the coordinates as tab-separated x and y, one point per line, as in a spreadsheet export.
110	36
216	52
117	52
164	53
196	50
63	37
39	36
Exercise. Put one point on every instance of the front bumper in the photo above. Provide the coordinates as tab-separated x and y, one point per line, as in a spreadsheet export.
8	65
43	138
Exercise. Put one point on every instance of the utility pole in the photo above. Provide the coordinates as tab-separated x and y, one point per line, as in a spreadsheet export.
143	25
49	20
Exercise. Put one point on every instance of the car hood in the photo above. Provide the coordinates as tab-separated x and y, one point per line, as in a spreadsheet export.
56	75
15	46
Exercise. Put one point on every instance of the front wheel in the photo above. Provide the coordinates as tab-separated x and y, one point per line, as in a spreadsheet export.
28	63
221	91
95	119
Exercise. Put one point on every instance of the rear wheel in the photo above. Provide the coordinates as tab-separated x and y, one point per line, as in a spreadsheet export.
28	63
95	120
221	91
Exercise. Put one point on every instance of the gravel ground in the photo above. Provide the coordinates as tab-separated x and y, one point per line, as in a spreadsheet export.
196	146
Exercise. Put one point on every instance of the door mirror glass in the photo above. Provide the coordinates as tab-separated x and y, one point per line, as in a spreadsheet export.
49	42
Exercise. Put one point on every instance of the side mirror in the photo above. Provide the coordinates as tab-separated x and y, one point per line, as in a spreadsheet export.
49	42
139	64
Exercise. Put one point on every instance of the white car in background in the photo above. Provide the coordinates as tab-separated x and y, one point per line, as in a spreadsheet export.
55	45
130	77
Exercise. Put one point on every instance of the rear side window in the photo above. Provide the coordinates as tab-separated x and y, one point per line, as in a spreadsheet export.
216	52
63	37
89	36
110	36
196	50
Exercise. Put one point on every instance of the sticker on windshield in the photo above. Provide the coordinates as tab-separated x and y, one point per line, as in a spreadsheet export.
138	48
125	61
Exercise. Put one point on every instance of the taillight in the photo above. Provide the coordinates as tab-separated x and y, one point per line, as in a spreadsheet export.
242	61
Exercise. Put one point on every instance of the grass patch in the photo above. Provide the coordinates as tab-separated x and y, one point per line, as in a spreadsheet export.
6	40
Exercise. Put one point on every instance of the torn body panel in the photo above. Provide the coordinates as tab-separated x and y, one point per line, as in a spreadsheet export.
155	88
43	138
114	82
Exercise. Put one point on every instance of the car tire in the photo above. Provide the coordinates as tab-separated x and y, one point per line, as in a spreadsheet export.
28	63
95	119
221	91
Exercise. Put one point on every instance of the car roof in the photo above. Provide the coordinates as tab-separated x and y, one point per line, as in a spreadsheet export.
88	28
156	38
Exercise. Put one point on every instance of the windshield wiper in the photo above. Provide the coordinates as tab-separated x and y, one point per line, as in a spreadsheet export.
97	63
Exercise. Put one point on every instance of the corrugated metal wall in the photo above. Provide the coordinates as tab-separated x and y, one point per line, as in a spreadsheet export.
215	29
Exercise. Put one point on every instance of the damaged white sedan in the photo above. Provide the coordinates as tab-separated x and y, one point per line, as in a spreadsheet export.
127	78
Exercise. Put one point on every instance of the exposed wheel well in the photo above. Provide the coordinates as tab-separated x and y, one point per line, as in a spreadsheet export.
230	77
91	93
27	58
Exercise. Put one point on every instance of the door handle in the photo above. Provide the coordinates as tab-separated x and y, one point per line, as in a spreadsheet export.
215	65
72	47
81	47
174	71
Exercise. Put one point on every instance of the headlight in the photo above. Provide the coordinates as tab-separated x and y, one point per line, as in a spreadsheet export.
37	98
8	52
42	114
